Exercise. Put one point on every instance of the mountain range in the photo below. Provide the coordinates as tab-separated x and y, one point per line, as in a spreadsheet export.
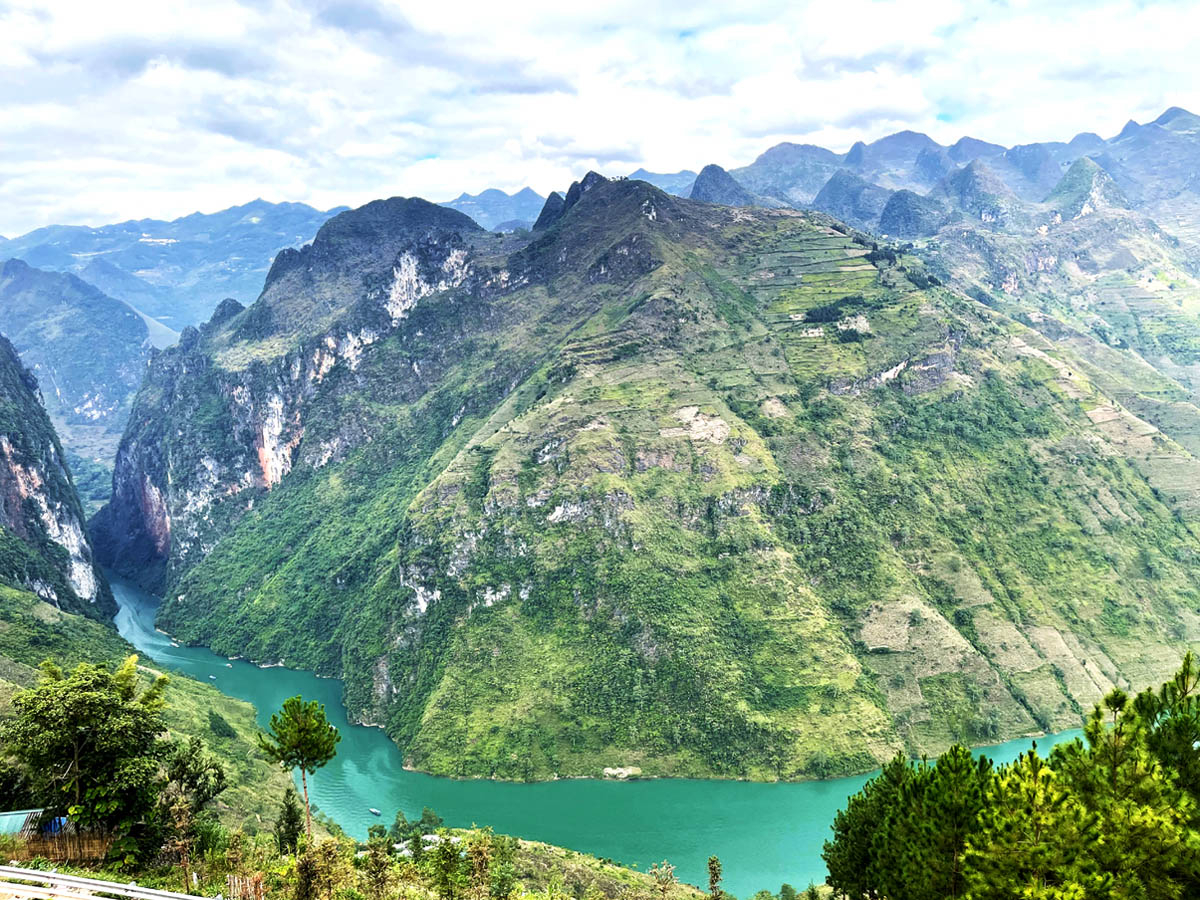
87	350
1150	162
843	454
174	272
497	211
677	485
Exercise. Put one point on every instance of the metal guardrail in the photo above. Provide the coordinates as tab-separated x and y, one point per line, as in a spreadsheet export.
56	886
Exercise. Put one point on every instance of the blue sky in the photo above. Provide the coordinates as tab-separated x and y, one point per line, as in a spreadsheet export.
120	110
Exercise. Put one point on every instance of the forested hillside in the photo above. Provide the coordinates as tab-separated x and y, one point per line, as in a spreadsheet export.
676	486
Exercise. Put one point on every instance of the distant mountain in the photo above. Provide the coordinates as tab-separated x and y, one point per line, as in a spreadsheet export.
907	159
908	215
852	199
791	173
978	193
1083	143
133	291
1029	170
44	544
1149	164
1084	189
493	208
966	149
177	271
677	183
86	349
715	185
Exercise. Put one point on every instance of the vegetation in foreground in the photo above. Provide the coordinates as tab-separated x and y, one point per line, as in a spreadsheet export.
90	746
32	630
1111	816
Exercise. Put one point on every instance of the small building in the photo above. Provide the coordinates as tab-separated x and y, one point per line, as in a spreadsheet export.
52	837
18	821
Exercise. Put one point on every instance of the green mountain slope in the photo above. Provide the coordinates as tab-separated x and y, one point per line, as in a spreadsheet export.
694	489
86	349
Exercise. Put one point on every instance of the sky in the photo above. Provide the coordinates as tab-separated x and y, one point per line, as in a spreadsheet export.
128	109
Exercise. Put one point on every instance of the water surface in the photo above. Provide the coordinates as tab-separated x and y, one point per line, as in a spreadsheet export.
765	834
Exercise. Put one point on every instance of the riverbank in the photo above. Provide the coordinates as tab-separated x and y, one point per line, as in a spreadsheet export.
766	833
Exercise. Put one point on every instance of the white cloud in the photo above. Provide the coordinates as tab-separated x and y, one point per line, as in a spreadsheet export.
130	109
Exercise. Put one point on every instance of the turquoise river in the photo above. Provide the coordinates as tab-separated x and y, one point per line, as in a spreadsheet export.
765	834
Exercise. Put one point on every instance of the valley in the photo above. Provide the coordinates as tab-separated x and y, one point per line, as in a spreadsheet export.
770	833
650	517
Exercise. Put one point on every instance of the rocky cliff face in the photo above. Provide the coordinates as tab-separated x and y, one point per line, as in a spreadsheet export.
43	540
670	484
235	393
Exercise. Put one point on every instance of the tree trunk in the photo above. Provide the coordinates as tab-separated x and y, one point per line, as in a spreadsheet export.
307	812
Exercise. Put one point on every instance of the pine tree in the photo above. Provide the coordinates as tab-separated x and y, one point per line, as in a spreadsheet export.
1172	719
1147	846
1034	839
290	822
919	852
850	856
300	737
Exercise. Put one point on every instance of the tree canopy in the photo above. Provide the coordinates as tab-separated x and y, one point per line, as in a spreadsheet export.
1110	815
300	737
89	744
